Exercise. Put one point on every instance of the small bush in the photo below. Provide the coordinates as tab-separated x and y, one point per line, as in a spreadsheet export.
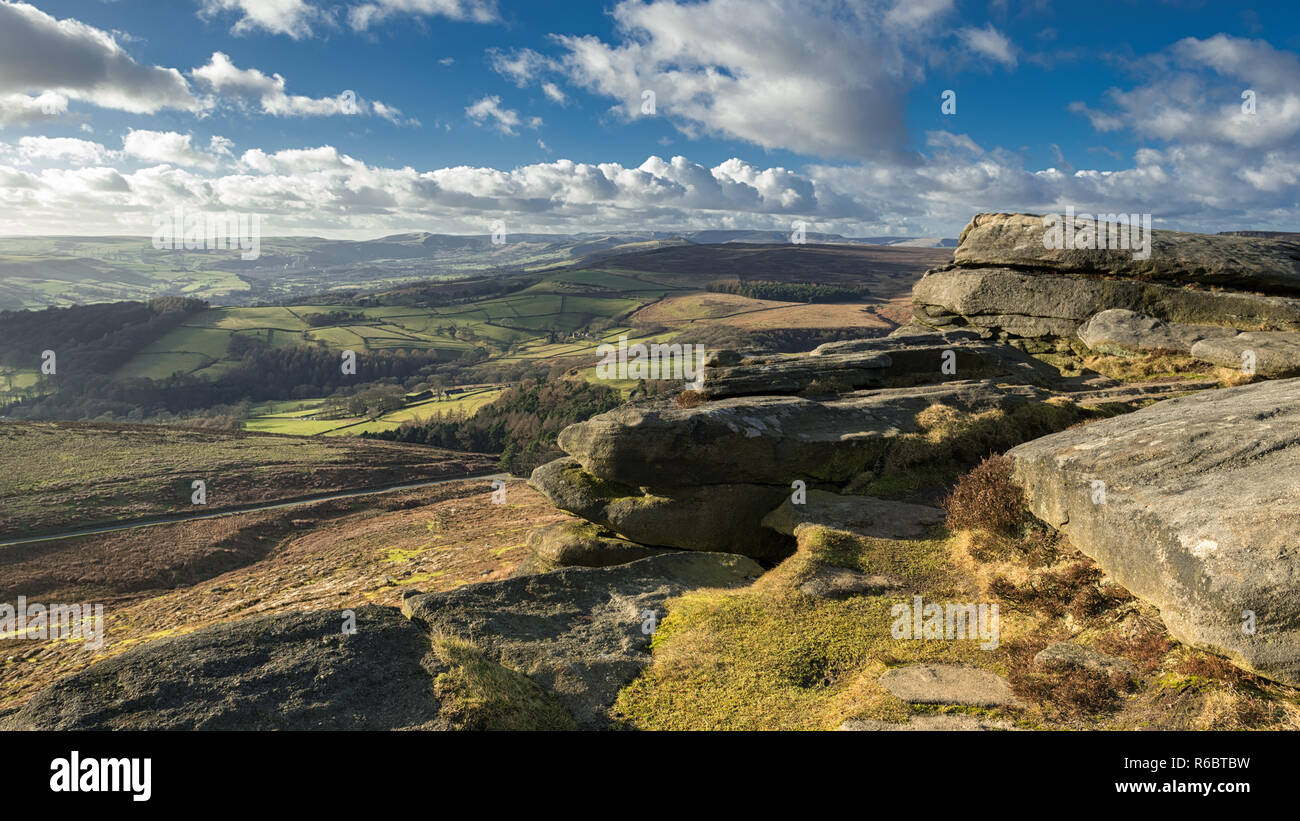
1069	689
986	498
688	399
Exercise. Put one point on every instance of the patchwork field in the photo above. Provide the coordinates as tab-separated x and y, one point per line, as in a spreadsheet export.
56	477
518	325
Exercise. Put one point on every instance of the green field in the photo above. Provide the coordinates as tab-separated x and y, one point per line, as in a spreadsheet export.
516	326
298	417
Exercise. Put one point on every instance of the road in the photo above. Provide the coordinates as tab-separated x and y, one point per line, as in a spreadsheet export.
235	511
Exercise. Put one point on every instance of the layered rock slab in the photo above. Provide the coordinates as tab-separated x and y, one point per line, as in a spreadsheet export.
766	439
863	515
1200	509
839	367
723	517
1054	304
1251	263
576	632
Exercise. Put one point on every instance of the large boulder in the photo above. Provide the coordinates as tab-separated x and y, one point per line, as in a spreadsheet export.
1121	331
576	543
1250	263
289	671
766	439
1273	353
722	517
1196	514
581	633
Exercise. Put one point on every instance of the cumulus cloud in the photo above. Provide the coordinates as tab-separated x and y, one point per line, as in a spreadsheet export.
290	17
324	191
65	149
40	54
174	149
21	109
818	77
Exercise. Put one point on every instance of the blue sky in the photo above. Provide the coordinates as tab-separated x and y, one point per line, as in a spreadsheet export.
468	111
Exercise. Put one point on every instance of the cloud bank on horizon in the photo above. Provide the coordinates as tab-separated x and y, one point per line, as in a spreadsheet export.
859	117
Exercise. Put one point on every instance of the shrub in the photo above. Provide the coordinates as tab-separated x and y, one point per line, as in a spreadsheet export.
688	399
986	498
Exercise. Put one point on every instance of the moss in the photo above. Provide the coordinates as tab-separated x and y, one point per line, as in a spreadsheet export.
770	657
479	694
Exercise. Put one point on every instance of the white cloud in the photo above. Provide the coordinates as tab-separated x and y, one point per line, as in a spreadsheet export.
323	191
521	66
289	17
553	93
1195	94
222	77
40	54
489	112
365	15
818	77
20	109
990	43
174	149
69	149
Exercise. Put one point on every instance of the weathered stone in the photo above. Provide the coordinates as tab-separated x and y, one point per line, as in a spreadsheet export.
288	671
1201	506
940	722
1029	327
1276	353
722	517
580	633
1123	332
1003	292
840	367
1073	654
949	684
768	439
841	583
863	515
1252	263
576	543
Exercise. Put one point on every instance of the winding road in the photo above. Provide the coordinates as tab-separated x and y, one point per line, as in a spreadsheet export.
235	511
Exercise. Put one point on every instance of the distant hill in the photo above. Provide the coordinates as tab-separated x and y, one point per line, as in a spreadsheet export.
37	272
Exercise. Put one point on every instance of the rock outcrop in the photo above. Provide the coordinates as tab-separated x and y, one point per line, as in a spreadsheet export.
581	633
1005	282
577	635
1196	513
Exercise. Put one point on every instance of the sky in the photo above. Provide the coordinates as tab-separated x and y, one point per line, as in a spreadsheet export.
363	118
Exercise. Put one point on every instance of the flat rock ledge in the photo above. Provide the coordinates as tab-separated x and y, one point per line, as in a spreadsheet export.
949	684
